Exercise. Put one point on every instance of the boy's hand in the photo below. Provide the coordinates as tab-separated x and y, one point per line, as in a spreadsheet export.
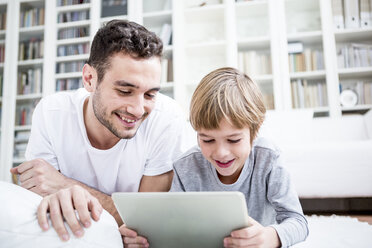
131	238
254	236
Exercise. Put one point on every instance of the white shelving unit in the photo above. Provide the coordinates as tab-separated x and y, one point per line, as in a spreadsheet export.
250	35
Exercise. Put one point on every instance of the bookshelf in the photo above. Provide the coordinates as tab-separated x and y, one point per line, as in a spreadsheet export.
294	49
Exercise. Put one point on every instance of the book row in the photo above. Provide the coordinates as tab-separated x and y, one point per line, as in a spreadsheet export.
74	49
354	55
362	88
32	49
2	53
66	67
308	60
1	84
24	113
352	13
32	17
29	81
75	32
71	2
73	16
3	21
69	84
255	63
308	94
166	70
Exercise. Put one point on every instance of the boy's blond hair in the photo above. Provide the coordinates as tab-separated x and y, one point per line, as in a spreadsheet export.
230	94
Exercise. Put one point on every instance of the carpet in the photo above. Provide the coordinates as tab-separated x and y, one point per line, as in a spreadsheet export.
337	232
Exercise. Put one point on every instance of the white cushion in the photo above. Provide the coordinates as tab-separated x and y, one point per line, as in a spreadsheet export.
19	227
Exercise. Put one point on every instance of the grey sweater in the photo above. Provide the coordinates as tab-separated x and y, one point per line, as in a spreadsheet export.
270	196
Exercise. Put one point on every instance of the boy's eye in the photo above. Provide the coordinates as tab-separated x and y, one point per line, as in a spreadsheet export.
234	141
208	141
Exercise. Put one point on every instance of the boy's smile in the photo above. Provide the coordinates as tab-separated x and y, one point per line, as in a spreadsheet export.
226	148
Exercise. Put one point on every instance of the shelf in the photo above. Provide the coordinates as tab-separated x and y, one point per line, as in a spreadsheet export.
347	35
32	96
68	75
30	62
357	107
34	29
64	25
168	49
309	37
73	41
263	79
206	45
254	42
250	3
22	128
109	18
2	33
308	74
72	58
2	65
17	160
73	7
166	86
157	14
346	73
205	8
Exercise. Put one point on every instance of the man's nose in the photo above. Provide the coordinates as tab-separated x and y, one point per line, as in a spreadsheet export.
136	107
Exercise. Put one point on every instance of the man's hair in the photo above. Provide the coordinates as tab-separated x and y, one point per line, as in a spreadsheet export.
121	36
230	94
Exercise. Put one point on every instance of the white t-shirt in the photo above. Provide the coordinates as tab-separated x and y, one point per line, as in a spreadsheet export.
59	136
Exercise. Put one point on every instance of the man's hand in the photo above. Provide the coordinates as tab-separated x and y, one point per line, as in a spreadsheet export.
254	236
131	238
61	205
40	177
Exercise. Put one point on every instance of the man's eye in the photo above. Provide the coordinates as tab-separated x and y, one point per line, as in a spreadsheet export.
124	92
151	95
208	141
234	141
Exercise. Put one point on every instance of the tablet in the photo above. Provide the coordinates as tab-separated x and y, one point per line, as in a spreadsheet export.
183	219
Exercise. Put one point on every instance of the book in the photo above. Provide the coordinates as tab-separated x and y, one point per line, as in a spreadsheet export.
338	14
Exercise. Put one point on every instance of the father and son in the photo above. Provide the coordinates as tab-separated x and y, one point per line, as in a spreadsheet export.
119	134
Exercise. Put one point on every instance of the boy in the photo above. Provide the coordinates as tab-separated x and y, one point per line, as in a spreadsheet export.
227	111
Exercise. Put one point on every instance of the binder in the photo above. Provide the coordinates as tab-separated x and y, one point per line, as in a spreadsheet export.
365	15
338	14
351	9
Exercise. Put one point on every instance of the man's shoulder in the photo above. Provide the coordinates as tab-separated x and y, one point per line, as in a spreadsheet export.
167	106
63	100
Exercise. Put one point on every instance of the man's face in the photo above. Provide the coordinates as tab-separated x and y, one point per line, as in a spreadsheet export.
126	95
226	148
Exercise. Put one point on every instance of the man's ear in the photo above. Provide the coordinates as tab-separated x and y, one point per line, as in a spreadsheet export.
89	78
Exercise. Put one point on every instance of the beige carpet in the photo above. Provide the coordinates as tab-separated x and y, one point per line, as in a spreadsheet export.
337	232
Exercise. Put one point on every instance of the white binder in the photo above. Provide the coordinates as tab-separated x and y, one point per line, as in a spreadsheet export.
365	15
351	10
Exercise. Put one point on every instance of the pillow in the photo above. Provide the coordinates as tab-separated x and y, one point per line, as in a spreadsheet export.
19	227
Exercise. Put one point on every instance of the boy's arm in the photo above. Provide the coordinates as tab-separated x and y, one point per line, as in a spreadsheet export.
292	225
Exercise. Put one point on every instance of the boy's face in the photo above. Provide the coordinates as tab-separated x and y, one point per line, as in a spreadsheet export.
226	148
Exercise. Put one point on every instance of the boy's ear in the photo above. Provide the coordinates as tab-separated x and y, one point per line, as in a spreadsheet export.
89	78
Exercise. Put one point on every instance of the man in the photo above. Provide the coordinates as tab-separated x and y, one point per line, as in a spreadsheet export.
119	134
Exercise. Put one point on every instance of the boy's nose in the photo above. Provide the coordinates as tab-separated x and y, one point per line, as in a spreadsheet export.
221	153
